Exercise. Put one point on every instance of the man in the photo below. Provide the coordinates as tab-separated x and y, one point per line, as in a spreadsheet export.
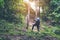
37	23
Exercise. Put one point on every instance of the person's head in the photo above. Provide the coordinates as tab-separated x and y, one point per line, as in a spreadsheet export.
38	18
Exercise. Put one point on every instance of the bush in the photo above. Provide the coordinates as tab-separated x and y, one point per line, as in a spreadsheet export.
4	38
57	32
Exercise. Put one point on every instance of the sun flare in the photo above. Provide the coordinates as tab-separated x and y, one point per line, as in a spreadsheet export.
33	5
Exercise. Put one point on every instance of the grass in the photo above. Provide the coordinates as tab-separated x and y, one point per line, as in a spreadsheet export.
45	30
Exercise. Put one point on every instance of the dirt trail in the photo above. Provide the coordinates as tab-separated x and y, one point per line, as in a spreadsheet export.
16	37
24	37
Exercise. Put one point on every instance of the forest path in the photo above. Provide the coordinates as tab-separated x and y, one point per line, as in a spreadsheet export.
26	37
42	26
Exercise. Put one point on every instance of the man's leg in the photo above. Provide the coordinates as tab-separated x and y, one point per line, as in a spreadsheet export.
38	27
33	26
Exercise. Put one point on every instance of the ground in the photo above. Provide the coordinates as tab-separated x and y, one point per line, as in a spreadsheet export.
45	33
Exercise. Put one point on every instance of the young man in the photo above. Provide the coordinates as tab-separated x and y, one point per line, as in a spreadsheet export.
37	23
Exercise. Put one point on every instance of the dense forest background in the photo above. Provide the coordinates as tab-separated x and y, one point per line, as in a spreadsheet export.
12	21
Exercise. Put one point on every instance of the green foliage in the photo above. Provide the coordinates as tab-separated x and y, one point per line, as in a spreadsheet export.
57	32
5	26
4	38
54	11
10	16
1	3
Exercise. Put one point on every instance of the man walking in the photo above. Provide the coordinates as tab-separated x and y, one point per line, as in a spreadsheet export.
37	23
